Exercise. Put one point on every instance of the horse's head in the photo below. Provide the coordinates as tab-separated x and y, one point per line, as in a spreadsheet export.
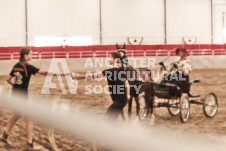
123	54
122	50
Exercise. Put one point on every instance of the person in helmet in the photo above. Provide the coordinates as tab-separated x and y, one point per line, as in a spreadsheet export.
181	68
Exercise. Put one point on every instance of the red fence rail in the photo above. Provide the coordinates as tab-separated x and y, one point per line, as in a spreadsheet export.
104	54
12	53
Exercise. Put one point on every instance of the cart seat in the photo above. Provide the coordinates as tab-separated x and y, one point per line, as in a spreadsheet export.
184	85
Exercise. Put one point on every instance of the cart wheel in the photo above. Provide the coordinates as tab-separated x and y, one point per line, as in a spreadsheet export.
173	107
144	108
210	105
184	108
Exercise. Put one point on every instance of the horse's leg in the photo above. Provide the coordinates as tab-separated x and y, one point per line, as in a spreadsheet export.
130	107
148	102
138	104
152	105
123	117
151	101
149	98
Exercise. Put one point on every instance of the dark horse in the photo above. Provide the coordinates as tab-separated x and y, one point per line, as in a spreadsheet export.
139	78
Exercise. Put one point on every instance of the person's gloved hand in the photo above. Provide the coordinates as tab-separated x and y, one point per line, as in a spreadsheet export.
175	66
161	63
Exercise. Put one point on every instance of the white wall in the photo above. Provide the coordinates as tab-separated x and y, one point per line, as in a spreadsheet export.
188	18
120	19
63	18
12	25
218	8
133	18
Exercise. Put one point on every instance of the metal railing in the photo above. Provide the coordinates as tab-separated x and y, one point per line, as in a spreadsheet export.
104	54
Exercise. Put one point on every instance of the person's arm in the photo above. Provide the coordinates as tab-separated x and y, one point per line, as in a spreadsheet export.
9	79
182	70
186	68
127	89
45	72
33	70
185	71
163	65
78	76
173	65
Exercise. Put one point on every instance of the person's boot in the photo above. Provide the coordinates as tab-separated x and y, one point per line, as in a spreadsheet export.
33	147
4	138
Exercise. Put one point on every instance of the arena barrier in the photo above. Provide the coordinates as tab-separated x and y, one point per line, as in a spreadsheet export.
78	64
122	137
153	48
201	56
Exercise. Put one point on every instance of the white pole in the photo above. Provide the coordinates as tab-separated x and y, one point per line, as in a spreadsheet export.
122	137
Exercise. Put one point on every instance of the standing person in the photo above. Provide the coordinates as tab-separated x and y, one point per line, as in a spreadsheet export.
118	86
181	67
21	73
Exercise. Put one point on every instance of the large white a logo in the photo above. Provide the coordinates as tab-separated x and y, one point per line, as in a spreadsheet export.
72	84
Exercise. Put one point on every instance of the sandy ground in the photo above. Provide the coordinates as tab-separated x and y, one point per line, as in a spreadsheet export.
50	139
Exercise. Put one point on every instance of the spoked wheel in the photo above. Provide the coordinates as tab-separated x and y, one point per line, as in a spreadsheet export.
173	107
184	108
210	105
144	108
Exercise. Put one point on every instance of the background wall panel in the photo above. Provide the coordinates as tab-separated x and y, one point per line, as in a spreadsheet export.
191	18
63	18
12	26
219	7
132	18
120	19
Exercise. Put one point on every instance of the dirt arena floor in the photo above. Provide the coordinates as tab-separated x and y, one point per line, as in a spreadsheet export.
198	126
